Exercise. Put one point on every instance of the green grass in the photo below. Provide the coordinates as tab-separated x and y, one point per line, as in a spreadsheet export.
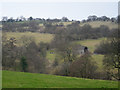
37	36
99	61
50	56
29	80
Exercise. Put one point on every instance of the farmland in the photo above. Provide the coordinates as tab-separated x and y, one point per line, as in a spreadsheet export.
46	38
94	24
90	43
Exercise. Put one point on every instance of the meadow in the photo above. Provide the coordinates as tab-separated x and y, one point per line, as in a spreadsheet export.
47	38
94	24
90	43
12	79
39	37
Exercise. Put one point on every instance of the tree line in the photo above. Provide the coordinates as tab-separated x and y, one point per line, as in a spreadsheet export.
110	48
63	19
72	31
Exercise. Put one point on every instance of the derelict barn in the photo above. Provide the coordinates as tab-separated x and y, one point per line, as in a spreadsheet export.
81	49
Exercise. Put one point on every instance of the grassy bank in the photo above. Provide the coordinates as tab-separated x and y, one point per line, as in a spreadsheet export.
30	80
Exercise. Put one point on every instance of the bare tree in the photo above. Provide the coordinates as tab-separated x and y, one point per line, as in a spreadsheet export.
83	67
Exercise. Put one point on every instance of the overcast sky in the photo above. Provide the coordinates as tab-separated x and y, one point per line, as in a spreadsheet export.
72	10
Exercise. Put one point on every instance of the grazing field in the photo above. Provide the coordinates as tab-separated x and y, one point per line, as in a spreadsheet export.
50	56
39	37
12	79
94	24
90	43
42	37
99	61
66	23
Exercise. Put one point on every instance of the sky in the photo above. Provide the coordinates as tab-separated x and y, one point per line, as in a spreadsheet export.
71	10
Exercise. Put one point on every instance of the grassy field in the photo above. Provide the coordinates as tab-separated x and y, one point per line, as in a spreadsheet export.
90	43
29	80
50	56
94	24
48	37
99	61
37	36
66	23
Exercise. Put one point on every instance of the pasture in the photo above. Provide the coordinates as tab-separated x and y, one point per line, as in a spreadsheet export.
12	79
39	37
90	43
95	24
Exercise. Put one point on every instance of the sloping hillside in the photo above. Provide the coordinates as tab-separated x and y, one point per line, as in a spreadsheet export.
94	24
29	80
